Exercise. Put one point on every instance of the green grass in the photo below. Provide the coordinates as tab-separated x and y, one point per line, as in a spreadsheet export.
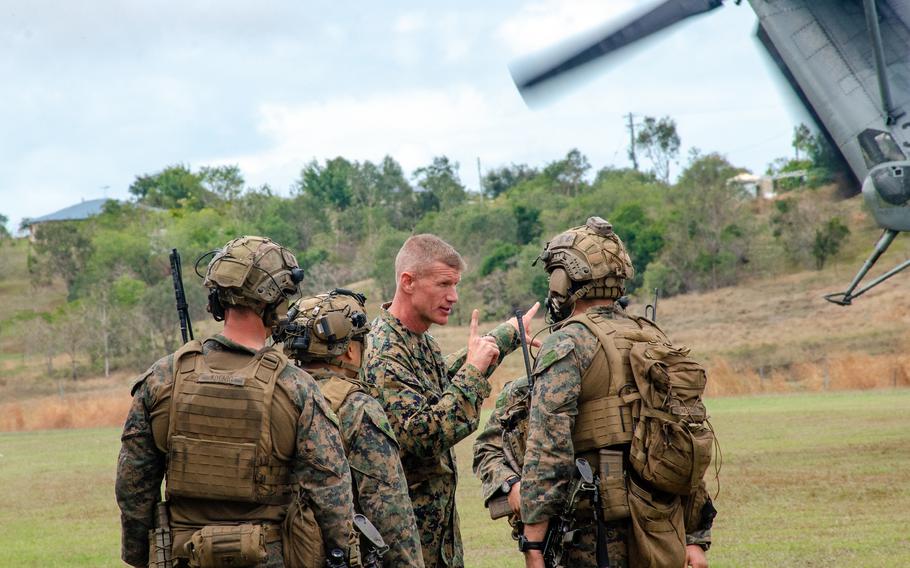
807	480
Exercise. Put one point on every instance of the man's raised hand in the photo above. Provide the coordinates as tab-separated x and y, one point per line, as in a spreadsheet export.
482	349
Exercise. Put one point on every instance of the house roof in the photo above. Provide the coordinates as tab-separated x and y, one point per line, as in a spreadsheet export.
75	212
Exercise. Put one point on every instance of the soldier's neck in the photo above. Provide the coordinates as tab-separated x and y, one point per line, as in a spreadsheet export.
584	304
245	327
407	315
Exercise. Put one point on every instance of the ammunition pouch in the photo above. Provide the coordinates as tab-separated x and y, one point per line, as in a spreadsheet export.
658	534
614	496
233	546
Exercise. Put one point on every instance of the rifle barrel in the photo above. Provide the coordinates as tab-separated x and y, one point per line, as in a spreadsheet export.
183	310
519	315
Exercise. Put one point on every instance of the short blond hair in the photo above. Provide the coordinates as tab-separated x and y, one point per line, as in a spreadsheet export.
420	251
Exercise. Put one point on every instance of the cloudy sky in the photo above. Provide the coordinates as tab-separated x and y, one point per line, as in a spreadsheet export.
95	93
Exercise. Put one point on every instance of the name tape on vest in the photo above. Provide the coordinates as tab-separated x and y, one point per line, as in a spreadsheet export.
222	379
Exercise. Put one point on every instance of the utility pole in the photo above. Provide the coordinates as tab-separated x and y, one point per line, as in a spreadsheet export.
631	127
479	178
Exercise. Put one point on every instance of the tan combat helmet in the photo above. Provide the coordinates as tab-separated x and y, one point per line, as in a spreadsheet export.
322	327
255	272
585	262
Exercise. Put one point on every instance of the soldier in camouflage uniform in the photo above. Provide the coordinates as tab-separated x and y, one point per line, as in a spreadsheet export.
325	335
226	388
432	402
588	266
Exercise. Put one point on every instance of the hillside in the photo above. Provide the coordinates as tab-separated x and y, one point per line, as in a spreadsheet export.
768	334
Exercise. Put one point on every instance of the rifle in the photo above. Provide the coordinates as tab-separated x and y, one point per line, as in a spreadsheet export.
336	559
374	550
560	533
160	539
499	506
603	555
519	315
375	547
651	309
183	310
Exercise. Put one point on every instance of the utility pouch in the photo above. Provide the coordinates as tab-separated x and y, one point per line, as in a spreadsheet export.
301	538
658	534
499	506
614	496
223	546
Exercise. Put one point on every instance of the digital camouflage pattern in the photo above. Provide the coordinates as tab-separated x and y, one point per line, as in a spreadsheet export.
549	459
490	464
380	487
304	431
432	403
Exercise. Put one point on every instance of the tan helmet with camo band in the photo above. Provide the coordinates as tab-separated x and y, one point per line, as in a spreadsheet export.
320	328
254	272
589	261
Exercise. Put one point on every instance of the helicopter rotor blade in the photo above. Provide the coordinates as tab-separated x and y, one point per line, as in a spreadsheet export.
660	17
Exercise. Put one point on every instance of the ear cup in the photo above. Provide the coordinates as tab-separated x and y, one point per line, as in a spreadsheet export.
215	306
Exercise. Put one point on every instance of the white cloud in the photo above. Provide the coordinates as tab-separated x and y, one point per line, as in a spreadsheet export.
410	22
547	22
411	126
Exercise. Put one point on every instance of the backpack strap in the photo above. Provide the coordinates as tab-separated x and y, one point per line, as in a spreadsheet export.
336	390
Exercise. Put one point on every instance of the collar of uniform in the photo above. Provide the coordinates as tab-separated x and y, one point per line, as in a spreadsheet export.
321	374
228	345
608	312
411	339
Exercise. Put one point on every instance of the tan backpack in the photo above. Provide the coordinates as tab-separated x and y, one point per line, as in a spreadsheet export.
673	440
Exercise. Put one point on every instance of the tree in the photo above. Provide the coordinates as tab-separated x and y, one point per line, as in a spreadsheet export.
802	140
329	184
500	258
529	226
500	180
174	187
4	232
709	230
224	181
60	249
828	240
660	143
642	236
568	174
440	189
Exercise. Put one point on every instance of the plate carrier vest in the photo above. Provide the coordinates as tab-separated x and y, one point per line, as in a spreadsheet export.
609	403
219	443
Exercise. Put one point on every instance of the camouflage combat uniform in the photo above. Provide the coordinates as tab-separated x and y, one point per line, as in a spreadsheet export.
380	487
432	404
304	431
490	463
549	469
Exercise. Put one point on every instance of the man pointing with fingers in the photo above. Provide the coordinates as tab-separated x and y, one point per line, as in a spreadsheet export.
432	401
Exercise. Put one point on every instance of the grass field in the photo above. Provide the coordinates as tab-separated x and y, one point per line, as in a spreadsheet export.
807	480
